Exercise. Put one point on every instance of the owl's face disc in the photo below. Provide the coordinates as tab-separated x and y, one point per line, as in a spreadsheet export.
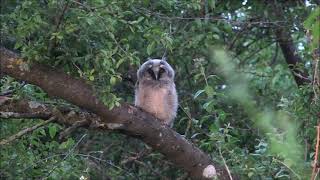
156	70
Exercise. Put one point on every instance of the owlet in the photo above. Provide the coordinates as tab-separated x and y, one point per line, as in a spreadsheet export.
155	91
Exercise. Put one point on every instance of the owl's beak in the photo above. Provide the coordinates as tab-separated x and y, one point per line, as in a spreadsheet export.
156	74
154	71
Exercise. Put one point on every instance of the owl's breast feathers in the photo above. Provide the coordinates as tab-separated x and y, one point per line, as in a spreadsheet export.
158	100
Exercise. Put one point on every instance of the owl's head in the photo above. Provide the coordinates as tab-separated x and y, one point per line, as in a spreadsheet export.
156	70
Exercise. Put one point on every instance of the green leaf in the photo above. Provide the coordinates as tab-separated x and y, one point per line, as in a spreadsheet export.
209	91
137	21
89	21
150	48
212	4
213	128
112	35
67	144
42	131
111	106
209	106
215	36
18	44
309	22
91	78
198	93
113	80
52	131
120	61
117	104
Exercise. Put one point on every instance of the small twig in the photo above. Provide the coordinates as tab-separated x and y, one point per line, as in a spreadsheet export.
53	44
65	157
204	74
106	161
145	152
183	177
99	172
317	173
256	52
255	73
151	169
225	164
4	99
164	56
274	59
316	75
25	131
189	122
315	162
287	168
306	149
57	113
61	16
37	115
300	76
44	160
90	8
316	78
236	37
9	92
107	30
72	128
106	149
233	22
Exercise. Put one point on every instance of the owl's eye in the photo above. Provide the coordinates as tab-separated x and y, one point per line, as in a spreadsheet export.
161	71
151	73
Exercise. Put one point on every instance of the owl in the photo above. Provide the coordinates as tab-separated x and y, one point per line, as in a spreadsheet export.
155	91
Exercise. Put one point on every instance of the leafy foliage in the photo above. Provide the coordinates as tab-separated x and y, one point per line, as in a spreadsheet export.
237	95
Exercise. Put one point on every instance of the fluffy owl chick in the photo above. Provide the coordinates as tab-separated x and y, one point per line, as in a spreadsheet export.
155	90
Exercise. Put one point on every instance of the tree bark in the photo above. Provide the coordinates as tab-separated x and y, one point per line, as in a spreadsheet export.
292	58
289	51
127	119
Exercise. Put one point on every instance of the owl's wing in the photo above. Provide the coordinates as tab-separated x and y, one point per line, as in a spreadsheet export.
136	85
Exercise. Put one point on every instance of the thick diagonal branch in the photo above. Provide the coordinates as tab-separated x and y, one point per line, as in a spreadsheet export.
127	118
291	56
289	51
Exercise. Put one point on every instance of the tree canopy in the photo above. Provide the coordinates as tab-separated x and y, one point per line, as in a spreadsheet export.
247	76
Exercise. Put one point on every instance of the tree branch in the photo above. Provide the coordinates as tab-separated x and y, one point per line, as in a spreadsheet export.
25	131
292	58
285	41
127	119
72	128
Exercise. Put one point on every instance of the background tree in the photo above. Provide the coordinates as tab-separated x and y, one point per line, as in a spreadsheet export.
253	109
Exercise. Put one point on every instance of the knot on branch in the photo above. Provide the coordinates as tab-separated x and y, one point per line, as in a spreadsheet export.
209	171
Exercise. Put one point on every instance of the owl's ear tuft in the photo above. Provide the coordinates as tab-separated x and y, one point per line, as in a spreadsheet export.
164	58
